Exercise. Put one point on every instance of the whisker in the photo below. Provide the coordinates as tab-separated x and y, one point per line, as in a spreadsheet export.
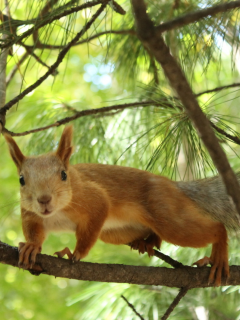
10	204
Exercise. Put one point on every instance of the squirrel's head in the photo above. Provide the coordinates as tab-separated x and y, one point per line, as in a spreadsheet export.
44	181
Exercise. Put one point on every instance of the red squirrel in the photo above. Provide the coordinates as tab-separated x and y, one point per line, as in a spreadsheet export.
119	205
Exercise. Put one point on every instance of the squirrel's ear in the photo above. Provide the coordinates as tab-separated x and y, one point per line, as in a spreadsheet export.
65	148
15	152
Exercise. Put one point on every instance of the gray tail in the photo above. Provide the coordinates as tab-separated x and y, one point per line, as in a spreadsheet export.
210	195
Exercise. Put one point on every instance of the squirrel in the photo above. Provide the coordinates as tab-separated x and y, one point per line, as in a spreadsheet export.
119	205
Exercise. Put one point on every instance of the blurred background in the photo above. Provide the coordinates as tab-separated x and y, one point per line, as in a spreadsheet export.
111	67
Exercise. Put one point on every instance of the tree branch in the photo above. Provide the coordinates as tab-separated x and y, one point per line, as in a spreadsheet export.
87	112
61	55
190	277
224	133
167	259
47	20
105	111
178	81
233	85
131	306
175	302
196	16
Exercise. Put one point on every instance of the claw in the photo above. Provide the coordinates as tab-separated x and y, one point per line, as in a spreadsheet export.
218	268
76	256
27	254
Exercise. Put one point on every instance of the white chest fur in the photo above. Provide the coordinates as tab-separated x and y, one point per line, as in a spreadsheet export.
114	224
59	222
111	224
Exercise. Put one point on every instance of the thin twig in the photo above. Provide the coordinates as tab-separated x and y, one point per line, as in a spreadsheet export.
108	114
30	51
132	307
50	46
196	16
16	68
224	133
60	57
167	259
175	302
233	85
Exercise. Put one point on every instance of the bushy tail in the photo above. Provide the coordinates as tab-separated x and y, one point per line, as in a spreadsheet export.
210	195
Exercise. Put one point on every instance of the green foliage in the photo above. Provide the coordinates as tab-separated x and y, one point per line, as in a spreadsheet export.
115	69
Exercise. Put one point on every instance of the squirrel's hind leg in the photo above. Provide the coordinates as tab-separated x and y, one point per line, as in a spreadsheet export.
218	260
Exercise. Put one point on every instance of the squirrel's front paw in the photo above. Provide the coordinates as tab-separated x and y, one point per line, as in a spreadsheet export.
27	254
76	256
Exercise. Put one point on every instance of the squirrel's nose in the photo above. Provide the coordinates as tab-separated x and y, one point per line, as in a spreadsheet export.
44	199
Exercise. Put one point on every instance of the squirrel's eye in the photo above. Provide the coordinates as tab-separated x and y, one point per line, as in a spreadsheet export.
64	175
22	181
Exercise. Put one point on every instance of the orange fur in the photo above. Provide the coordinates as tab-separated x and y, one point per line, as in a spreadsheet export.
119	205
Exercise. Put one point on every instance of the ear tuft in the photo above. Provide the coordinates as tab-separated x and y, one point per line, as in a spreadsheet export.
65	148
15	152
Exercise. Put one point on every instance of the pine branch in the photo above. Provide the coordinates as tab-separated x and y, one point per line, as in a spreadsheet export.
109	111
61	55
50	46
88	112
178	81
233	85
196	16
37	43
175	302
47	20
132	307
190	277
